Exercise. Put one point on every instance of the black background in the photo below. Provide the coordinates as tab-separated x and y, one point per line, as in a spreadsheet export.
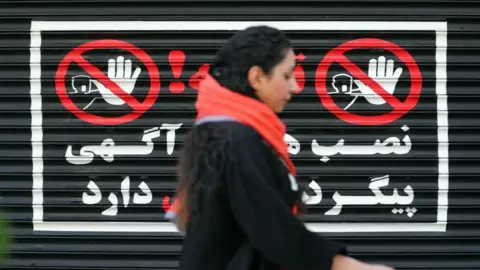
305	117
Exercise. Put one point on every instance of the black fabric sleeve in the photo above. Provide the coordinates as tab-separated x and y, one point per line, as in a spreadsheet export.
266	219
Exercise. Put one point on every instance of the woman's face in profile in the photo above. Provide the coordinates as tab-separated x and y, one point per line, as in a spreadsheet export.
277	89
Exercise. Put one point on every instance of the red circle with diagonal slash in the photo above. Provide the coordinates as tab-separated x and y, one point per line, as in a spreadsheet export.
75	56
338	55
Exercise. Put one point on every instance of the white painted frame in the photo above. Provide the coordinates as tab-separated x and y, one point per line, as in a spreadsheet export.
37	27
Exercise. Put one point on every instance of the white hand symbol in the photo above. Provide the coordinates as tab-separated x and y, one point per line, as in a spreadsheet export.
120	72
385	77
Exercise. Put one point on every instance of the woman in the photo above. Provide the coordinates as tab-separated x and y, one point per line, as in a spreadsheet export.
238	198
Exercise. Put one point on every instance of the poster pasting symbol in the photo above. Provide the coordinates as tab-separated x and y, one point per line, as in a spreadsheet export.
381	71
116	87
119	72
377	87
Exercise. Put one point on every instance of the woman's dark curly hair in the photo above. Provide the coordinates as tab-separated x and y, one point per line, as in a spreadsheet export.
261	46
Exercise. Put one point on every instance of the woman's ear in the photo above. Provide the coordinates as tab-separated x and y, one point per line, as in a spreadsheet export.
255	77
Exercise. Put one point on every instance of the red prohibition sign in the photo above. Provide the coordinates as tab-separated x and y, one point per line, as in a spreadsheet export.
338	55
75	56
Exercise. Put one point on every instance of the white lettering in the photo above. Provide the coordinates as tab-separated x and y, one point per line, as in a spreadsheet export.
138	198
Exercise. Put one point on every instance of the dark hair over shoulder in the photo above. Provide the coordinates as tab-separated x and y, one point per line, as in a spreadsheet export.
261	46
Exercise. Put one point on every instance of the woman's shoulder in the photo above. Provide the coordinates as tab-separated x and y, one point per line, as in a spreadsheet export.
230	141
232	132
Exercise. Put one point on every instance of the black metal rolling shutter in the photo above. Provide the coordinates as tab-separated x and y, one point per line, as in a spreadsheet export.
41	192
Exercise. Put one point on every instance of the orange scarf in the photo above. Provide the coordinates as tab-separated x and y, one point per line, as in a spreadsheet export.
215	100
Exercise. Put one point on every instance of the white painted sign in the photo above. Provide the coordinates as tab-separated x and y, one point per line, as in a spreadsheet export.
383	71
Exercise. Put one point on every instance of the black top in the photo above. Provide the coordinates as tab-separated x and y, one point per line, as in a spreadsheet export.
242	218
